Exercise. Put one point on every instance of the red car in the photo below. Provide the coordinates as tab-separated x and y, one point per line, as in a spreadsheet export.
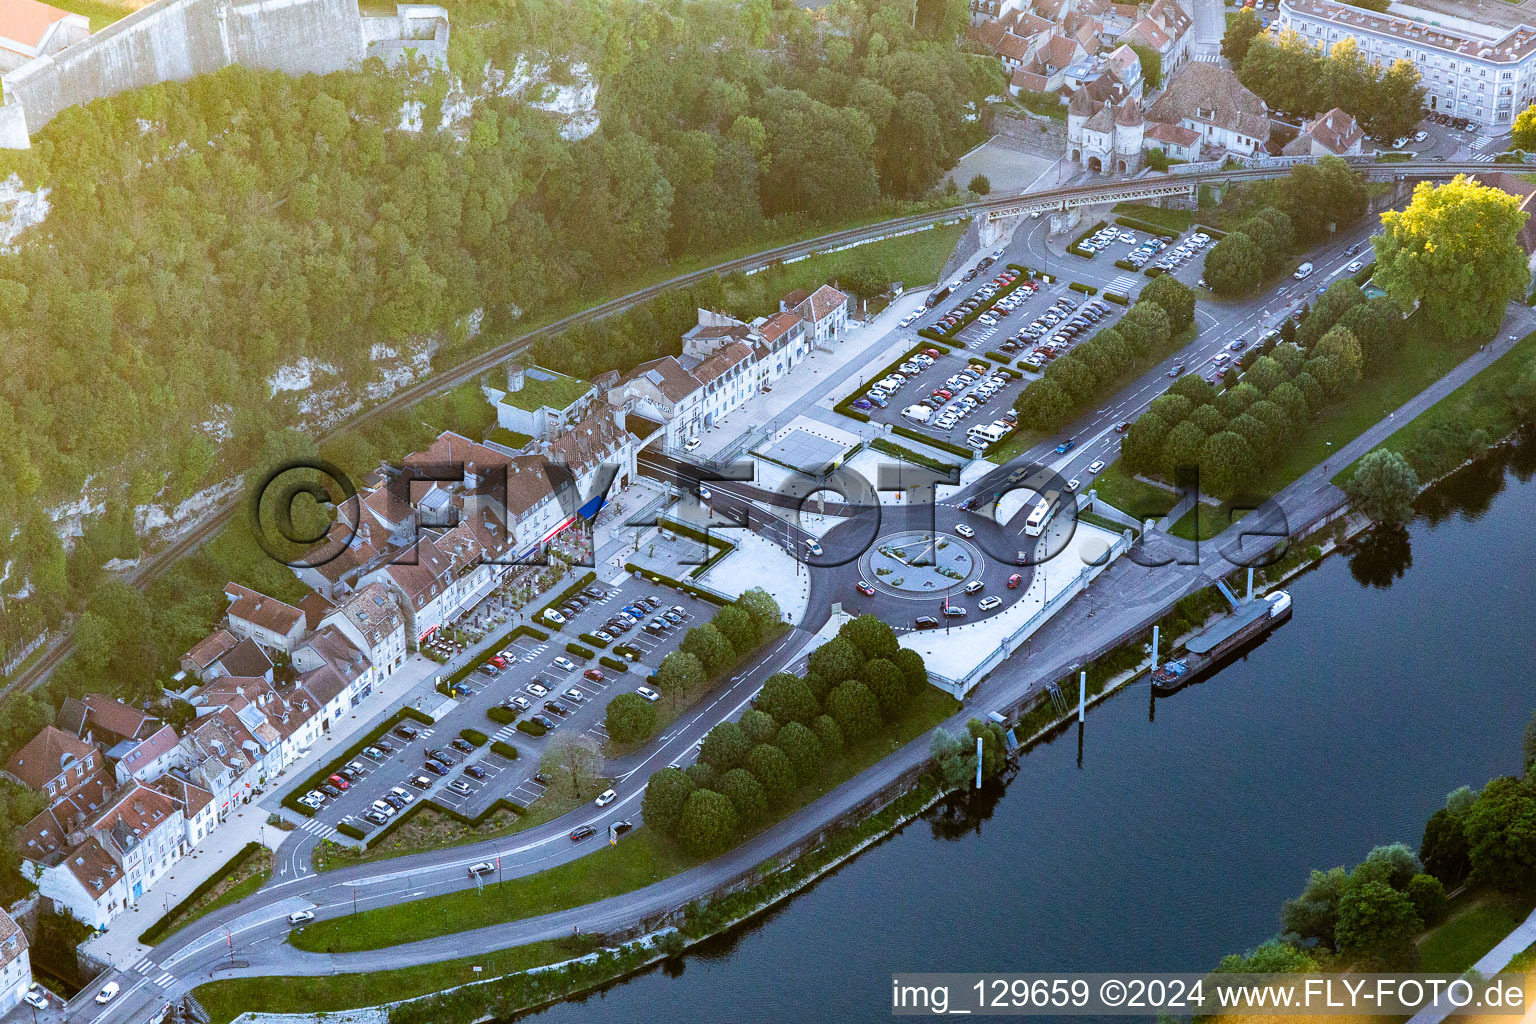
339	782
1014	581
865	589
594	674
499	661
931	353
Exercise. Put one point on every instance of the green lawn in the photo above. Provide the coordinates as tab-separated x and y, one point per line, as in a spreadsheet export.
239	881
1132	496
1177	221
101	12
640	859
1481	403
915	259
1470	932
226	1000
1423	359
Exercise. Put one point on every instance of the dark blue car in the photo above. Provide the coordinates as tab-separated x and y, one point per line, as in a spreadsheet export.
1066	446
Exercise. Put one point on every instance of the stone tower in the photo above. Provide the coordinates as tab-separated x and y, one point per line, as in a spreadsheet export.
1130	131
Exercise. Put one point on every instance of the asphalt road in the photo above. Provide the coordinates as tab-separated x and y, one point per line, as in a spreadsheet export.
1126	598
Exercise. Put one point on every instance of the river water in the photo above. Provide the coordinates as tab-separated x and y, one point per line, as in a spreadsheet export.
1405	672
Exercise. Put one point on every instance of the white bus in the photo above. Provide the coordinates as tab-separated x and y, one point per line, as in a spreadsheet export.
1040	516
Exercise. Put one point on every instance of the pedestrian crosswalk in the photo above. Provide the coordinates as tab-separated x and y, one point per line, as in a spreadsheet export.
1482	158
316	828
1209	58
1121	285
1481	141
145	965
165	979
504	733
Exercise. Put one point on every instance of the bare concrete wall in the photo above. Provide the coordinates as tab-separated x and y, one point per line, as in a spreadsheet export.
178	39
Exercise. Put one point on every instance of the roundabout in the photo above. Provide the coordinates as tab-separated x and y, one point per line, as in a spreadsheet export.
919	565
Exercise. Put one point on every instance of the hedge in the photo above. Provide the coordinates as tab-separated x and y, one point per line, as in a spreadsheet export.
152	935
291	801
350	830
668	581
933	442
965	321
1086	289
458	674
506	750
1076	250
595	641
501	715
1216	233
474	736
565	595
846	405
531	727
1080	239
617	664
1154	271
1124	300
584	653
1002	359
1125	264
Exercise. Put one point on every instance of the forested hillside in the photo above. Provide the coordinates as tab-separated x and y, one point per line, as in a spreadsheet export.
203	235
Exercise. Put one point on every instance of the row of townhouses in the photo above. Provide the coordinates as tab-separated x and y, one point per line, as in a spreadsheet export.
418	547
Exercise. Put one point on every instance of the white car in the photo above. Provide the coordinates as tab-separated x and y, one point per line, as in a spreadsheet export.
574	695
605	798
538	690
36	1000
485	867
554	616
1303	271
401	794
812	547
648	693
300	916
107	994
690	444
1355	267
1096	466
988	603
1400	143
386	809
565	664
1420	135
910	319
1073	484
965	531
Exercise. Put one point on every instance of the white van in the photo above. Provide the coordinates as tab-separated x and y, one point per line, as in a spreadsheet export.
917	413
985	437
1303	271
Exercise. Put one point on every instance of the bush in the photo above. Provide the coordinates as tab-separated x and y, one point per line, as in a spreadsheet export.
531	727
617	664
584	653
505	750
933	442
349	830
1125	264
593	640
474	736
1124	300
501	715
980	185
1154	271
1086	289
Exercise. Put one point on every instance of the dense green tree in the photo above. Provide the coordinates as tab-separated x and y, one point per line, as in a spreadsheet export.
709	825
830	734
630	718
1444	849
913	671
1146	329
786	698
1181	450
1395	105
1142	447
758	726
837	659
1242	28
873	638
888	685
666	792
1227	464
774	770
1377	325
979	185
1341	346
679	674
737	627
1523	135
1235	265
1043	405
1454	250
803	749
1151	65
764	610
710	646
1395	864
703	776
1383	487
1337	300
746	795
1376	926
855	710
1272	957
1326	196
1428	898
1501	835
1175	297
725	746
1315	913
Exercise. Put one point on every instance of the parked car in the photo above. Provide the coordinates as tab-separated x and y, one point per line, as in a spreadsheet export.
460	743
925	622
401	795
594	674
474	771
339	782
460	787
407	731
435	768
648	693
565	664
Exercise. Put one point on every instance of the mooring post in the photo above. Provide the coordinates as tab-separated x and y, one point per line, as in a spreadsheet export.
1154	648
1082	695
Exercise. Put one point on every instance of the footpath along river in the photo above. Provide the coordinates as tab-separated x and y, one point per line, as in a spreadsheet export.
1405	672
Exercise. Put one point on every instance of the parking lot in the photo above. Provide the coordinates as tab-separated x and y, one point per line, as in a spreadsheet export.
958	397
434	762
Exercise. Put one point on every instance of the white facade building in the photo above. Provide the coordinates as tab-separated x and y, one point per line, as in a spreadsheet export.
1481	72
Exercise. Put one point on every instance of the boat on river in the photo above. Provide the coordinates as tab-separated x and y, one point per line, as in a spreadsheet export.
1205	650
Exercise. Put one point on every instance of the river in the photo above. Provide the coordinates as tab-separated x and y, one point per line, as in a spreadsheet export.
1404	673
